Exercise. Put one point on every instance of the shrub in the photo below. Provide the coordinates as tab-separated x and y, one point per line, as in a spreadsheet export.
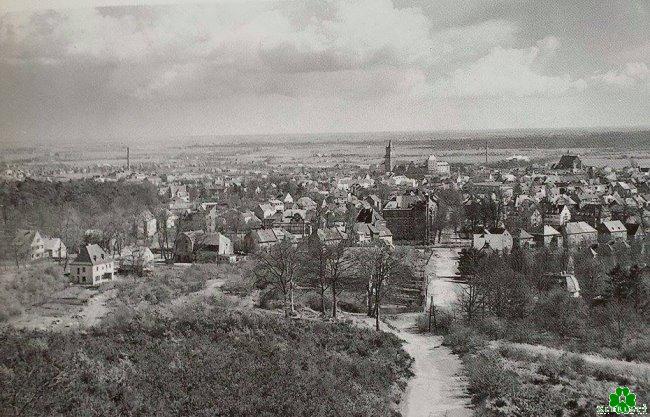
637	350
462	339
238	285
314	301
210	361
488	377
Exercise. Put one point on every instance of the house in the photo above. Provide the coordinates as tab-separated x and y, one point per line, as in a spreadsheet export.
288	201
547	236
331	236
216	243
579	233
634	231
366	232
569	162
189	243
136	259
264	211
306	203
410	217
185	244
29	245
374	201
496	239
611	230
54	248
92	266
264	239
145	224
522	239
557	215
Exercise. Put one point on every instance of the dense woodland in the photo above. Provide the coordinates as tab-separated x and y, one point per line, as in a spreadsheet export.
67	209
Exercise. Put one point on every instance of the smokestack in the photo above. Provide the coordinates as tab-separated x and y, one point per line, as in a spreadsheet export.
128	159
486	153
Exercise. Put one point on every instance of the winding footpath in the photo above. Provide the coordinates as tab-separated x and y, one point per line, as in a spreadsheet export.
437	389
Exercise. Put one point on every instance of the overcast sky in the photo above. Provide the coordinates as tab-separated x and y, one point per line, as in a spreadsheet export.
108	68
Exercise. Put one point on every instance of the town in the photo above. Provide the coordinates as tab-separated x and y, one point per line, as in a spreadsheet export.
385	242
339	208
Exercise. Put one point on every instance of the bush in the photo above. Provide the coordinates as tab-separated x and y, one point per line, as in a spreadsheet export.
314	301
444	321
462	339
637	350
488	377
238	285
29	286
208	361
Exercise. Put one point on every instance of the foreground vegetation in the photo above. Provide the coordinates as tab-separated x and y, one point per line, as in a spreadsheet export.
20	289
530	348
205	361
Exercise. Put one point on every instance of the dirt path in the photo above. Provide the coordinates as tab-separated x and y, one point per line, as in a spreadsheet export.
636	368
441	270
59	315
437	389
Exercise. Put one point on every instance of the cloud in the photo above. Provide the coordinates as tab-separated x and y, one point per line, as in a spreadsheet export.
633	74
506	72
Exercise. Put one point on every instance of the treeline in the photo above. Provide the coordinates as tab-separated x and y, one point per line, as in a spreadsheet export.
210	361
66	210
374	269
524	293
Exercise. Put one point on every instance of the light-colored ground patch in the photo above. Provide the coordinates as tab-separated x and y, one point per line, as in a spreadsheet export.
442	269
76	309
437	389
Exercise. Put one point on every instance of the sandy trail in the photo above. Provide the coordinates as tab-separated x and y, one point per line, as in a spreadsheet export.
437	389
441	269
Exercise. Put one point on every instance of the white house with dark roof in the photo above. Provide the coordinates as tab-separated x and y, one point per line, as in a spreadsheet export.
612	230
92	267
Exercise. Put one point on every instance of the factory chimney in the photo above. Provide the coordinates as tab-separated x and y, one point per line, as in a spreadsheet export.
128	159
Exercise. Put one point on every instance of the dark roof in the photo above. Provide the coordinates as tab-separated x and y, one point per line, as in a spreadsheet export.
92	254
567	161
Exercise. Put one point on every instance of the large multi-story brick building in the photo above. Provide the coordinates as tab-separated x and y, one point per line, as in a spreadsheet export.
410	217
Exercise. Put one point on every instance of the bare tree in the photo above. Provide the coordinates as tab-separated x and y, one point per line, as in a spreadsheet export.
278	268
315	266
340	265
384	267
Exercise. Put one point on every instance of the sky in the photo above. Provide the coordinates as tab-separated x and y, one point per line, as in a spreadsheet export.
97	69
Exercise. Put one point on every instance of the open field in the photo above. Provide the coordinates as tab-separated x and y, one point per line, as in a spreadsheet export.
597	148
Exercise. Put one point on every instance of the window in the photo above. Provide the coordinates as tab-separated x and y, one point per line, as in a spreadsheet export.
78	271
84	268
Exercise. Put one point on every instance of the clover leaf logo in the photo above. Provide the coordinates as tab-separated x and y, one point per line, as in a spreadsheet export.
622	400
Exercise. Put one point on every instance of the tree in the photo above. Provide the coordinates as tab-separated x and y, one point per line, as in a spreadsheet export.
315	267
339	270
278	268
384	268
163	229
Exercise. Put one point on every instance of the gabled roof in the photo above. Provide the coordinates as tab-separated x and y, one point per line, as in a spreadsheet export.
614	226
52	243
578	228
546	230
330	234
25	237
92	254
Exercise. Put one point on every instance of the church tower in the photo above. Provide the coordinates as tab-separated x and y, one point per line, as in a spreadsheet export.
388	164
